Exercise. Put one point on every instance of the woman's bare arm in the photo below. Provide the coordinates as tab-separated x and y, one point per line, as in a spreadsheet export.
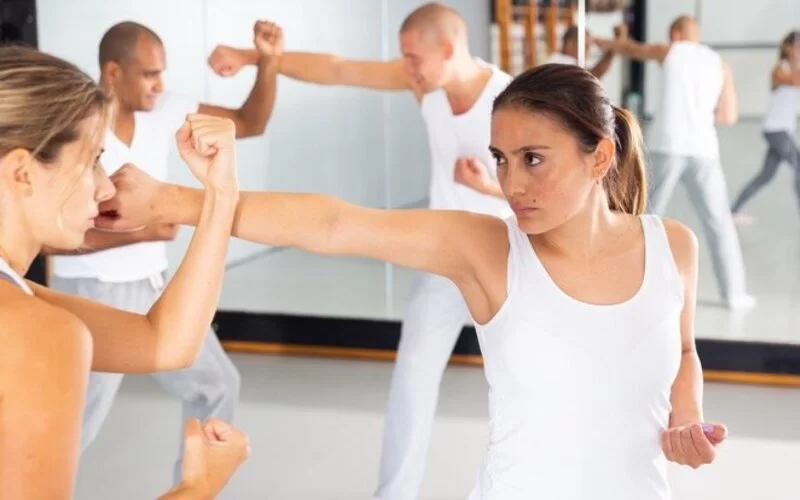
43	377
443	242
170	335
687	390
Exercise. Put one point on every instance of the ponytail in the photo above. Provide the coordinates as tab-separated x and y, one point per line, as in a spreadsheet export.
625	184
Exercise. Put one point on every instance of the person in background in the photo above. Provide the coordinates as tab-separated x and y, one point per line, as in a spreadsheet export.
779	124
696	93
125	270
569	50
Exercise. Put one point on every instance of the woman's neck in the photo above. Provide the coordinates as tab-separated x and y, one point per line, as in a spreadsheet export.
587	234
17	249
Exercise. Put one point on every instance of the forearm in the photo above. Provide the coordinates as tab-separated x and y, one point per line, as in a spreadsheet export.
298	220
310	67
687	392
727	113
492	188
96	241
184	492
257	109
185	309
603	65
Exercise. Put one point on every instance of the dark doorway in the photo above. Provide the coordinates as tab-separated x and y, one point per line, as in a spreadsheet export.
18	26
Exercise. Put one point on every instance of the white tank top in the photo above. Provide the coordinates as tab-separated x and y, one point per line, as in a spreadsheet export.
691	84
580	393
452	136
782	112
9	274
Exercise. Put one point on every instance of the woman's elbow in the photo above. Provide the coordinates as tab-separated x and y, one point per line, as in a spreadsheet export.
177	359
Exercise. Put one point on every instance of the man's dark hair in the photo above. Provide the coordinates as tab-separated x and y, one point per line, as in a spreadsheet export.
570	35
119	42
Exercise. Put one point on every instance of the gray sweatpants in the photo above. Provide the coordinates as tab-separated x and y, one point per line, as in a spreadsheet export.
208	388
781	148
708	193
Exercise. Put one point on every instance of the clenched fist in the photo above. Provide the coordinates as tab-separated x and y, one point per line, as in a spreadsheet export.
208	146
268	38
693	445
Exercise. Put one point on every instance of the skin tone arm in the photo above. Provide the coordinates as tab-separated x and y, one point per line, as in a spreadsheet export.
783	76
42	400
727	112
103	240
603	65
251	119
688	441
635	50
469	172
319	68
169	336
50	350
458	245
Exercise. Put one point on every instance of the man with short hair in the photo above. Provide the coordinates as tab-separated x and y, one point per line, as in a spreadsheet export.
455	91
125	270
697	92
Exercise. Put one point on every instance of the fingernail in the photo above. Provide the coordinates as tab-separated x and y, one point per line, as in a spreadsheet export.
708	428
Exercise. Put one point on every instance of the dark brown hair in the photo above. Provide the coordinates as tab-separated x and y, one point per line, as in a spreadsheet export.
792	38
576	99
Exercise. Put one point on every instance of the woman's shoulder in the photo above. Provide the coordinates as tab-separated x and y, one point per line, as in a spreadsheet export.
39	338
682	242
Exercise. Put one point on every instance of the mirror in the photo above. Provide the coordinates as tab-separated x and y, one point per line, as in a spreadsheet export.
766	224
288	300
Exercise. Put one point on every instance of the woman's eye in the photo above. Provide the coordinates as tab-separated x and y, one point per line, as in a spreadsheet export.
532	160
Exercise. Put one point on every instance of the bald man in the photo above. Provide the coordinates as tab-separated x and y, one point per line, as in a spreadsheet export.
126	270
697	92
455	91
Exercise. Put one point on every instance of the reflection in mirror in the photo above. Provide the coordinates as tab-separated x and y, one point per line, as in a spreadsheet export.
730	184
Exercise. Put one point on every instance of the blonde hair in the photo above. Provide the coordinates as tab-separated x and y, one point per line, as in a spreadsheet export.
43	101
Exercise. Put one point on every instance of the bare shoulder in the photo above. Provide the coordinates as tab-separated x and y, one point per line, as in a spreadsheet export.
487	244
40	340
683	243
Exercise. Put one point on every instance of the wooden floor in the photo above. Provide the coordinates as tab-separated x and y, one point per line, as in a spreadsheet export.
767	379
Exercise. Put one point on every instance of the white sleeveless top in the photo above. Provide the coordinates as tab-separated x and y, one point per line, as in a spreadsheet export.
452	136
783	108
580	393
691	84
8	272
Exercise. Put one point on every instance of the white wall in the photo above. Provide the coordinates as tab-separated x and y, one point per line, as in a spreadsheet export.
366	147
746	34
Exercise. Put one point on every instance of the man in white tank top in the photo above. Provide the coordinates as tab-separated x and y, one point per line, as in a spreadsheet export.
125	270
455	92
696	93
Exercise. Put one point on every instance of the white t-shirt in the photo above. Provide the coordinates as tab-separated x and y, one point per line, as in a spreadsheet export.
691	84
153	136
561	58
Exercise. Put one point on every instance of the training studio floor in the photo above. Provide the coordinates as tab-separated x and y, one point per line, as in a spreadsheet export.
315	424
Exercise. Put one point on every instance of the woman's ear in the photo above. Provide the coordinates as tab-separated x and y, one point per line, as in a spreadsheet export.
16	169
603	158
